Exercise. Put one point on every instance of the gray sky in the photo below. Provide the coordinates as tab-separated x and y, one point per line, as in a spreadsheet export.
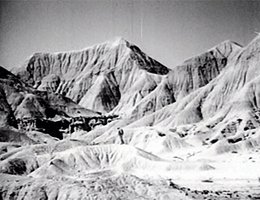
169	31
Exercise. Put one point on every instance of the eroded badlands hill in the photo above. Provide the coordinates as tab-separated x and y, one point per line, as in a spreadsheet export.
97	77
118	77
196	123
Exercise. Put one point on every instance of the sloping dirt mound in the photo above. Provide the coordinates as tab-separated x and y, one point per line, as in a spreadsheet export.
101	157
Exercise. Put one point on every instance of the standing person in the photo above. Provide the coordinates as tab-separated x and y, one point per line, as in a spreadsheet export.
121	133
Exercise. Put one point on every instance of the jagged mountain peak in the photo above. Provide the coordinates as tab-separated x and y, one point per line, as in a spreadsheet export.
118	41
115	49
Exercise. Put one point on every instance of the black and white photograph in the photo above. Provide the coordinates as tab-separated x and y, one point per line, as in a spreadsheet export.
129	99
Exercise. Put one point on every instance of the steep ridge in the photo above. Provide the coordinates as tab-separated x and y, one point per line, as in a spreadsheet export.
229	89
186	78
200	70
76	74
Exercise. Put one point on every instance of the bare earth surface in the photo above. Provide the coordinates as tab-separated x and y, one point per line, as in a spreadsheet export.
189	132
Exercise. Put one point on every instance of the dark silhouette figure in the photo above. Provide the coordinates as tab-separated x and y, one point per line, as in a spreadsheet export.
121	133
